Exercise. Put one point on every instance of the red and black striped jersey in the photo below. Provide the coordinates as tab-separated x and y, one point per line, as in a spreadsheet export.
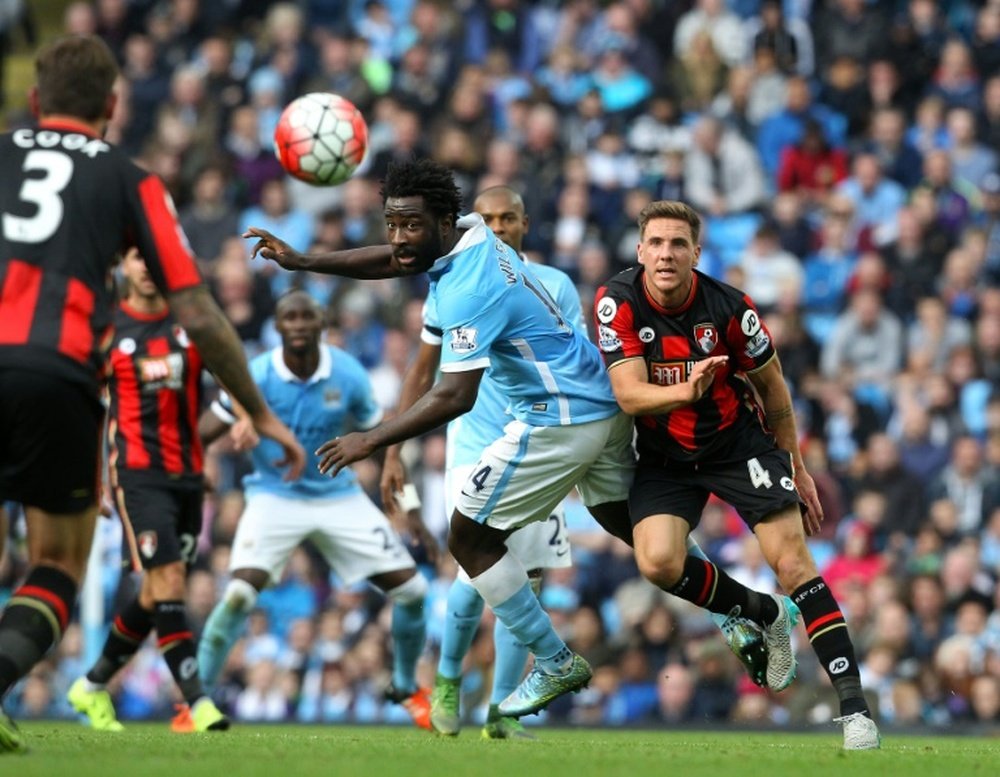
156	396
715	320
69	204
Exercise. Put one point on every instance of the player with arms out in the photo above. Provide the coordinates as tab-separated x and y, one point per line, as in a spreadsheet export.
539	545
155	468
566	429
318	390
664	325
69	205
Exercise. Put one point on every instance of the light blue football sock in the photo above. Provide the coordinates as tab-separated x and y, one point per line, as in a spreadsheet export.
465	608
223	627
530	625
510	661
409	630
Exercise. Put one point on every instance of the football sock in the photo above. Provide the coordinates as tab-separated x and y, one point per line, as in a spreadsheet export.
176	642
506	589
465	608
707	586
694	549
409	631
223	627
828	635
128	631
34	620
511	657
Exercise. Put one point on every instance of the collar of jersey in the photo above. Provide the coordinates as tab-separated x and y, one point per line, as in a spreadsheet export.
68	125
670	311
140	316
475	233
323	371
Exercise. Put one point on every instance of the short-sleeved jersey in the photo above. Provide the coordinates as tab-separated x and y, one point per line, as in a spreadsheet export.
69	204
155	391
469	434
494	312
716	320
335	399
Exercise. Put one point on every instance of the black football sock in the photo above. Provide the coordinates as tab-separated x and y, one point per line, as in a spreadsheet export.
33	621
828	635
707	586
176	642
128	631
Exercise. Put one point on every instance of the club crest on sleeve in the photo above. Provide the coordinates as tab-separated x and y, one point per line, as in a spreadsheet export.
707	336
463	339
606	310
607	339
147	543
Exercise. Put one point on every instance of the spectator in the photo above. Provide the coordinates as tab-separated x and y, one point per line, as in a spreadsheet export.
722	173
811	168
210	218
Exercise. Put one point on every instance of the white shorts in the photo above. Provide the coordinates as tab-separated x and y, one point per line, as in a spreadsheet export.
521	477
543	544
353	535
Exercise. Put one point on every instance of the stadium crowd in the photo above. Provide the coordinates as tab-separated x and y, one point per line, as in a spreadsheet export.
844	155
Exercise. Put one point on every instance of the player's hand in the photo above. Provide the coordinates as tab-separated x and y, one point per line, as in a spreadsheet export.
393	478
421	535
343	451
703	374
107	501
813	517
273	248
267	424
243	436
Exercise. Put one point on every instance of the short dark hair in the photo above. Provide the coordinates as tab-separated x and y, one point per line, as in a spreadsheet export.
670	209
75	76
424	178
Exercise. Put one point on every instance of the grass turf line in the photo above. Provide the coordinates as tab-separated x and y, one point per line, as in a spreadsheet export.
151	750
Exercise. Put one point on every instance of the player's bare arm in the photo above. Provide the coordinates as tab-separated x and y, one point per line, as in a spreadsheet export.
417	382
220	347
365	263
637	396
451	396
769	381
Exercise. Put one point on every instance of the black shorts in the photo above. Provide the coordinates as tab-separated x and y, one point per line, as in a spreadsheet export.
757	488
165	522
50	438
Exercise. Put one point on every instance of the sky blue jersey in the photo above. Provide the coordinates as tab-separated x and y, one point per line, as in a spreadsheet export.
494	312
336	399
469	434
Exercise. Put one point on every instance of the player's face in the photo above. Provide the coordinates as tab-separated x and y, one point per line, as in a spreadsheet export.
505	217
140	282
300	324
416	234
669	256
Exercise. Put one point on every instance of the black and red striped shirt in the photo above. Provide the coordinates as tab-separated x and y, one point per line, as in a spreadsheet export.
715	320
69	204
156	395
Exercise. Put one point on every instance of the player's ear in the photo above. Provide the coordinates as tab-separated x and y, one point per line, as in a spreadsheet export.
110	103
33	102
697	256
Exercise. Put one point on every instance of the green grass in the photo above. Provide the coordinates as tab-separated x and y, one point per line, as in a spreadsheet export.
150	750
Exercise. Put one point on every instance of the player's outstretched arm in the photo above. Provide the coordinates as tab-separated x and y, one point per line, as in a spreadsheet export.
637	396
418	381
769	381
364	263
217	342
451	396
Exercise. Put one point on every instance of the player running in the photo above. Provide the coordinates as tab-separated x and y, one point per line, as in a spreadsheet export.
317	390
567	429
156	471
539	545
69	204
661	325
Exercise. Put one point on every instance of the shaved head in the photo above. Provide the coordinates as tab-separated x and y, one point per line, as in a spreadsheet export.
503	211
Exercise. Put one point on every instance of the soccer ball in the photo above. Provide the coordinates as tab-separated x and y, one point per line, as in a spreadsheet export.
321	138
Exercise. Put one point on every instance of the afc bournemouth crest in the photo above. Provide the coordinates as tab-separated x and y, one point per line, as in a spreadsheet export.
147	544
707	337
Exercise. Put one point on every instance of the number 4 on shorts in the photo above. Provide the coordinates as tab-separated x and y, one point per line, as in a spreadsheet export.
479	478
758	475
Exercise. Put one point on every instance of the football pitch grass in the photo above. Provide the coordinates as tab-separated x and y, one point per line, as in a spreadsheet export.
151	750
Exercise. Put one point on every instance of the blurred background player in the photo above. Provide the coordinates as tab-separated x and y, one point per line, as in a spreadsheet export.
319	391
155	468
539	546
70	202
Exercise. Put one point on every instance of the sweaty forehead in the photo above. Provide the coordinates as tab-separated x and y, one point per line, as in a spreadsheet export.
667	229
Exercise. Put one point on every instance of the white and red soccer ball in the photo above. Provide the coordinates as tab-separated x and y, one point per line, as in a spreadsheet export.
321	138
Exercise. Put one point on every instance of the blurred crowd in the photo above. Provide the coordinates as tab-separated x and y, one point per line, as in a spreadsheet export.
844	155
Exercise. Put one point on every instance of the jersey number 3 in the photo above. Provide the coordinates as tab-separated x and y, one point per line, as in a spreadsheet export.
43	193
